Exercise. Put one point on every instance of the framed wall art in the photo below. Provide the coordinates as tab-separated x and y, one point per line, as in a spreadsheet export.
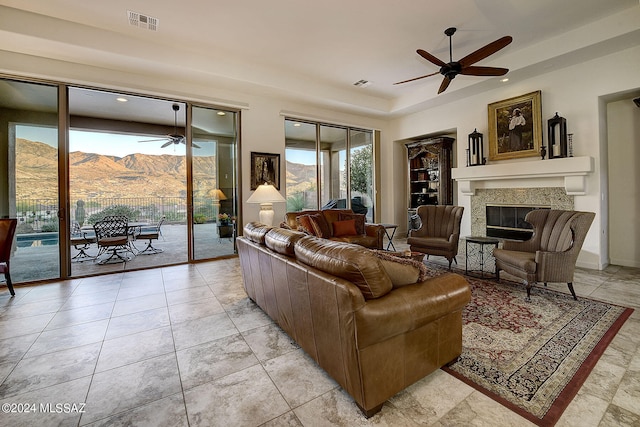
515	127
265	167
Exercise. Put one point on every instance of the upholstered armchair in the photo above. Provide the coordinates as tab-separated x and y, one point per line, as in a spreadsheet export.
551	253
439	233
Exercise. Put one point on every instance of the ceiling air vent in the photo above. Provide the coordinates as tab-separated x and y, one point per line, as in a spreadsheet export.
362	83
143	21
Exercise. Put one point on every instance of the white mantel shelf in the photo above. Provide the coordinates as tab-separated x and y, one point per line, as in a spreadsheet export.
573	169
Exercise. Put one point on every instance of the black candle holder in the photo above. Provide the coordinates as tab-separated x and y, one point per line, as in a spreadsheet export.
475	152
557	137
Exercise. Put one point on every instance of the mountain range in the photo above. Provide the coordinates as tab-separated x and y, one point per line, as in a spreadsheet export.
94	175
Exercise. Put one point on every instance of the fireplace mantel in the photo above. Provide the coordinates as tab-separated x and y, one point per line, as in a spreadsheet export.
573	169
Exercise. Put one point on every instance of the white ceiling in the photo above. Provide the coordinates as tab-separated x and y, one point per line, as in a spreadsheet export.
314	51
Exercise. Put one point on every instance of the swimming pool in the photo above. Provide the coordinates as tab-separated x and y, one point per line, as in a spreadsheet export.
37	239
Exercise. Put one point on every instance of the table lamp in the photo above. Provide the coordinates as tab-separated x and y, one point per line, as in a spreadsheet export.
266	195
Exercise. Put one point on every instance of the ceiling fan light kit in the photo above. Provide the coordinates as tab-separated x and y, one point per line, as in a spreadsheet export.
464	66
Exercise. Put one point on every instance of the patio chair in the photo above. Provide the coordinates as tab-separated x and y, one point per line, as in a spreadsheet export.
81	242
150	234
112	234
7	231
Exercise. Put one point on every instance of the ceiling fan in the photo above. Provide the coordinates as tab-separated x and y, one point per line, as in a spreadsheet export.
175	137
464	66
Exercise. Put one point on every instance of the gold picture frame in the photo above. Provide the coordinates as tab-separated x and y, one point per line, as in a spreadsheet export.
515	127
265	168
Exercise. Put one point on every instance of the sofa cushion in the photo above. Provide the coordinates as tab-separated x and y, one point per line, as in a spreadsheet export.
402	271
347	261
344	228
359	218
304	224
282	241
255	231
321	227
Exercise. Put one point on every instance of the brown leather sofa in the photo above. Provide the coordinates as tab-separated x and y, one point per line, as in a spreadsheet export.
371	236
336	300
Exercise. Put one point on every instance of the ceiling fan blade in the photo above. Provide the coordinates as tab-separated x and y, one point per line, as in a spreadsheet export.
417	78
195	146
166	144
484	71
445	84
154	140
426	55
485	51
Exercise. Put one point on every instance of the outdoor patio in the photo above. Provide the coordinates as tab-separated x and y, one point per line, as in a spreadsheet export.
32	262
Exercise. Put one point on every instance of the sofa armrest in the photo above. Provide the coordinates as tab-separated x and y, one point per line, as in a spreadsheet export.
375	230
410	307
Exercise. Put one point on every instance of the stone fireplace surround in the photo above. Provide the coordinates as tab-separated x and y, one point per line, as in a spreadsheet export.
555	197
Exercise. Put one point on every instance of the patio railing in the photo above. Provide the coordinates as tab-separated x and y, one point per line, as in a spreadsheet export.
41	214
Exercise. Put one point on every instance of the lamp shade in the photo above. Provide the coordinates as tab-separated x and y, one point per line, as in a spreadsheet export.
217	194
266	193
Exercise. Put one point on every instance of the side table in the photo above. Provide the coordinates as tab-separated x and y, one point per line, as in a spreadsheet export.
393	228
479	256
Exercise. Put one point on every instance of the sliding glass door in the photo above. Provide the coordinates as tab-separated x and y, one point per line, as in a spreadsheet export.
29	176
127	157
71	157
214	179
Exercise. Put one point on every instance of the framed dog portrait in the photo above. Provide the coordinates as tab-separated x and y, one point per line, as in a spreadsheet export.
265	167
515	127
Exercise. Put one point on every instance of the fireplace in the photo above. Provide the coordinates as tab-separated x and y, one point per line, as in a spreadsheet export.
538	197
507	222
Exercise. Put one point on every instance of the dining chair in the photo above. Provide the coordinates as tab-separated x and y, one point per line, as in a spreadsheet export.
112	234
150	234
7	232
81	241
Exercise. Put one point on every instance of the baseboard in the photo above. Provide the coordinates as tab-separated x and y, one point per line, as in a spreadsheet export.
626	262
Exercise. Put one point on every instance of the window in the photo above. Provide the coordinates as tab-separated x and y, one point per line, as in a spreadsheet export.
339	157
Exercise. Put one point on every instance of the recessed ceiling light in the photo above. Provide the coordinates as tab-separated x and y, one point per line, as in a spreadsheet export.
222	113
121	99
506	79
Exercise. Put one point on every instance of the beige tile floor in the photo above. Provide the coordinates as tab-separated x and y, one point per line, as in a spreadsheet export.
183	345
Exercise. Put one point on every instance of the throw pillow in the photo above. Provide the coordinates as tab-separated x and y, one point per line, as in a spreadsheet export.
359	218
320	226
344	228
402	271
304	224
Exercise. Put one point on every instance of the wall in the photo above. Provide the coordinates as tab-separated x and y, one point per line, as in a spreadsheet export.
573	92
623	125
262	121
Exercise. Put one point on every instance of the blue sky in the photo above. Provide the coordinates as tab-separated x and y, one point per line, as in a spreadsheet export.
108	144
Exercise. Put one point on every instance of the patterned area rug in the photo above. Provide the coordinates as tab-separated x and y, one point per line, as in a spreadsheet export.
532	357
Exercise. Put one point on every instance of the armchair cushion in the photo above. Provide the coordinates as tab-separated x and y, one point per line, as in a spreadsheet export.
522	260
